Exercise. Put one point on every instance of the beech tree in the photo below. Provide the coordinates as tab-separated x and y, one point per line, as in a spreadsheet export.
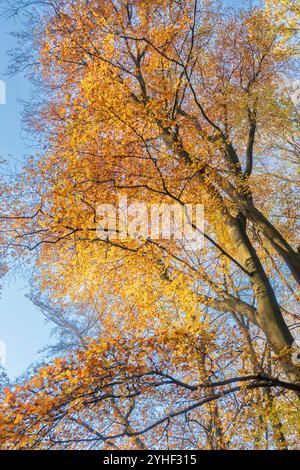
161	102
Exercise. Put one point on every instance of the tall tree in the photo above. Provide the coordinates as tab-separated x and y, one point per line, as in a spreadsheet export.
164	102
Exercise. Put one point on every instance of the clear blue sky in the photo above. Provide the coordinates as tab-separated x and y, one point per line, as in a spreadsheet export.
22	326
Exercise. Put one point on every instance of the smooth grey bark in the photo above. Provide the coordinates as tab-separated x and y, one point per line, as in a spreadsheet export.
247	208
269	316
282	247
228	303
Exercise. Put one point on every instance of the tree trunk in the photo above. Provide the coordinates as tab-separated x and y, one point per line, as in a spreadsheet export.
282	247
269	316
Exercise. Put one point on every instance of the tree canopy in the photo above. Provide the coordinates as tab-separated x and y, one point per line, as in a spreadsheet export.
160	102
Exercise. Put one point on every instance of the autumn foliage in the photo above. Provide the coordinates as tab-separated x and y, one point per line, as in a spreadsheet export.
162	102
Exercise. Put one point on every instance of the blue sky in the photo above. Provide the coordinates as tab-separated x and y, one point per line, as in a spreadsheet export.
22	327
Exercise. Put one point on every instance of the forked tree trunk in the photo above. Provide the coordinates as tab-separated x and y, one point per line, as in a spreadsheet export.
269	316
246	207
282	247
